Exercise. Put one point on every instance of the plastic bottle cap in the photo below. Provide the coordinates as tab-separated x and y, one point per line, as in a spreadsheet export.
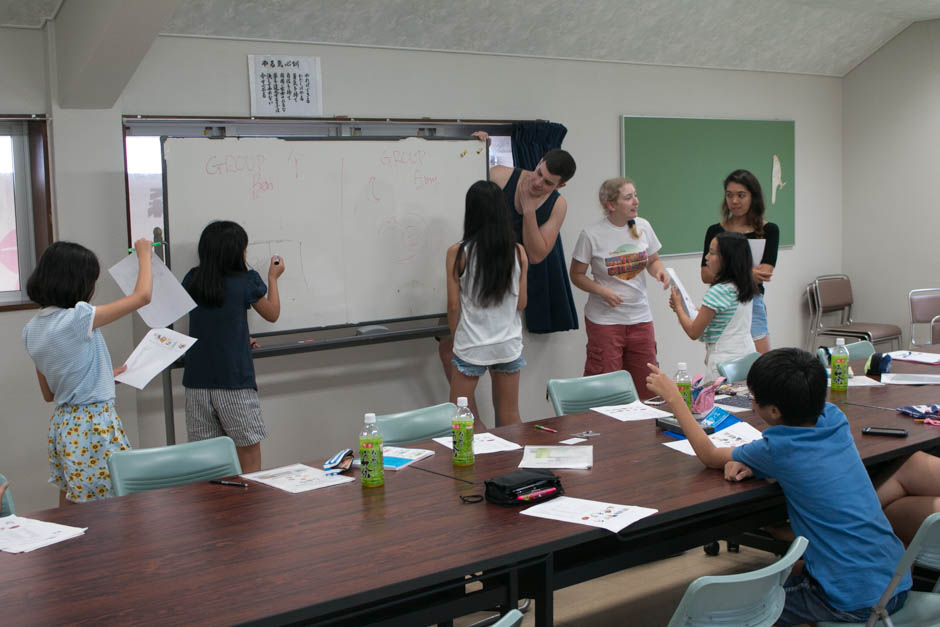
840	341
461	401
682	365
370	418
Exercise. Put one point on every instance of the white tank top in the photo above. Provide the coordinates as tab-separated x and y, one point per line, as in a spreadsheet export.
488	335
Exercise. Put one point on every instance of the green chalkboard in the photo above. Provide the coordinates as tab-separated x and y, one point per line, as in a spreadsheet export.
679	164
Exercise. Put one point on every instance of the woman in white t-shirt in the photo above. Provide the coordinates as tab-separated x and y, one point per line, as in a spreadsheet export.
617	315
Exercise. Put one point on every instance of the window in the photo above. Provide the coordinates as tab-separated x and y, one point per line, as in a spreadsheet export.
24	209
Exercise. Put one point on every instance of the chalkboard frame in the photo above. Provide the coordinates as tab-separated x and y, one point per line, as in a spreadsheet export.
679	164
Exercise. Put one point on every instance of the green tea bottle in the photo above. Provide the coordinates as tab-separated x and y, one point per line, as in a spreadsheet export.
371	467
684	383
839	367
463	434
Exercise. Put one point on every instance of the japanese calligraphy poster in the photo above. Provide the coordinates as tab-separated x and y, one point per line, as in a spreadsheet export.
284	86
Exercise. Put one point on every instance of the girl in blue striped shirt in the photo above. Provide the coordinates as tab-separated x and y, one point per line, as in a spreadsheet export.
724	319
74	367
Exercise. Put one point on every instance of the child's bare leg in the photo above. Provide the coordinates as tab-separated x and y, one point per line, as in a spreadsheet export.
249	457
918	476
908	513
506	398
463	385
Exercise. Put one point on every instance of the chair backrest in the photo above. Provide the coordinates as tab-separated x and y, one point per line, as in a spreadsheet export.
6	504
417	424
736	370
512	618
929	557
754	598
570	396
924	547
925	309
153	468
833	292
863	349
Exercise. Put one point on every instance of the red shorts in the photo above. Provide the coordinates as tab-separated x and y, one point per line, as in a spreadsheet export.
612	347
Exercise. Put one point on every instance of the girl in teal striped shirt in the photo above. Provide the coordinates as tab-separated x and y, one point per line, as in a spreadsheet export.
724	319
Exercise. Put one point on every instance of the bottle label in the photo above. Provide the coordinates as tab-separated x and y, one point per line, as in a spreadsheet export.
839	372
463	443
371	469
685	389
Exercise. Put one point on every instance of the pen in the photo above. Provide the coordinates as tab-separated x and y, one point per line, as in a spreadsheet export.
536	494
130	250
237	484
549	429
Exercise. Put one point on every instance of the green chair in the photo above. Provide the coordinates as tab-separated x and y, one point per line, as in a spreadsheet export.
6	505
512	618
417	424
862	349
755	598
736	370
570	396
165	466
921	608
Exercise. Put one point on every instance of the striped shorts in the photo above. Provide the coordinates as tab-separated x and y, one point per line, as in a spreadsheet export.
214	412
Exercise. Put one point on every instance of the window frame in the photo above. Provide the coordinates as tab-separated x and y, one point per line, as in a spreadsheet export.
36	209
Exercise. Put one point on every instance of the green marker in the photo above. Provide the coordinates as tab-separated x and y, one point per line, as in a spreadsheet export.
130	250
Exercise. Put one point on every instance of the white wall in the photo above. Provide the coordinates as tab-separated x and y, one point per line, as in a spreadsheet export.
313	403
891	162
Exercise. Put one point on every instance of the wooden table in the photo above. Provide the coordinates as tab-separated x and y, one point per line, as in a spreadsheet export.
210	554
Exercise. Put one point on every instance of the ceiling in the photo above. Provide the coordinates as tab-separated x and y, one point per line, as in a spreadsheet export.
824	37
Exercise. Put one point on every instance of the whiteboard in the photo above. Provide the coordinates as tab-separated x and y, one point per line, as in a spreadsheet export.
363	225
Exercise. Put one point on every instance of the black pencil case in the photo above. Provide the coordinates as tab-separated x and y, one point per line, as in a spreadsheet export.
523	487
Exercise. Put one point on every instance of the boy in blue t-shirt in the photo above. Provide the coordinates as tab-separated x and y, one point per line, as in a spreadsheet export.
808	448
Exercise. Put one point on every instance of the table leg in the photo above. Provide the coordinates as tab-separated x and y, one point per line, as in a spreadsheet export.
544	601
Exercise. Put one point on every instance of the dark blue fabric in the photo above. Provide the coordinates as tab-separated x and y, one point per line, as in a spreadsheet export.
531	140
221	358
550	304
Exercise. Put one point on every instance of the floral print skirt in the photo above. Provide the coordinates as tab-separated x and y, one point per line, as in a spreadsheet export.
81	438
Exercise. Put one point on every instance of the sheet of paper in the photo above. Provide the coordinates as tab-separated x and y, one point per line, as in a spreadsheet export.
158	349
573	441
396	457
169	302
734	409
594	513
864	382
21	535
572	457
736	435
297	478
920	358
483	443
631	411
757	249
690	307
910	379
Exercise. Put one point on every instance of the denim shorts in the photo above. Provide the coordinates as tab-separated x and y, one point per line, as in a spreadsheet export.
759	328
473	370
807	603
